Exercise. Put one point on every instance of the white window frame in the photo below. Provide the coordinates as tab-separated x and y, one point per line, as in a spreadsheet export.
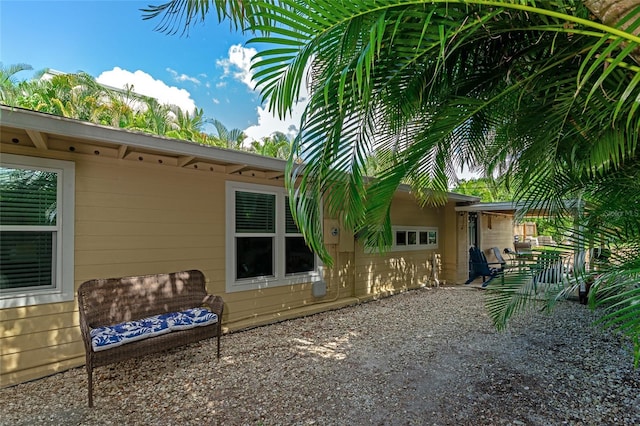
62	289
279	278
417	245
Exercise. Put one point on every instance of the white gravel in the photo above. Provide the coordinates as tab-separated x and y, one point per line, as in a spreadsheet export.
424	357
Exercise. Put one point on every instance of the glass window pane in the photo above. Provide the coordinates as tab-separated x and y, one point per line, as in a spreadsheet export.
299	256
412	237
26	259
28	197
290	224
423	238
401	238
254	257
255	212
433	239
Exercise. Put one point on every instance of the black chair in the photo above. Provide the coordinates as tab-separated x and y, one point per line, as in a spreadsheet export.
479	267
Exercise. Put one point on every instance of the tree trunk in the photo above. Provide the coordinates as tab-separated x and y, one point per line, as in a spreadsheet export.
611	12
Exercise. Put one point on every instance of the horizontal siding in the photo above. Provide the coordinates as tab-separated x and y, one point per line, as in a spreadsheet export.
143	255
405	212
496	231
254	303
151	214
390	272
46	358
25	375
400	270
40	310
49	323
40	339
134	242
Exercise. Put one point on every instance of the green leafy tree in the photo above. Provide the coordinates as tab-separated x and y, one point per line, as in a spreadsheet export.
229	138
544	94
8	83
79	96
276	145
488	189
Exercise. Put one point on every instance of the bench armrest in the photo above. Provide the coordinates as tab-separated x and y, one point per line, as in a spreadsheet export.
215	303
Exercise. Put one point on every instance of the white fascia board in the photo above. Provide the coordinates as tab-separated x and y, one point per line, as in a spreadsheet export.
488	207
512	206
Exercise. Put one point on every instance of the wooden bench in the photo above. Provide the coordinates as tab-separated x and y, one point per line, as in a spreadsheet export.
122	318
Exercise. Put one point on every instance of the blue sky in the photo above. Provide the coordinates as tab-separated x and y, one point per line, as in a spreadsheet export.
109	40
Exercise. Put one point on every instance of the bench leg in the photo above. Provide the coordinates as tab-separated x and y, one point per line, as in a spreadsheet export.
218	355
90	384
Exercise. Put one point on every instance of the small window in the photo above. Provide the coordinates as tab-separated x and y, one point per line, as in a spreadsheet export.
36	230
415	238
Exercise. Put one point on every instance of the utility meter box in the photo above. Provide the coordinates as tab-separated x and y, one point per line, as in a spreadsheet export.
331	231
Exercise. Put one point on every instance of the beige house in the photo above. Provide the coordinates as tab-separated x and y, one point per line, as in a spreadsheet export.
82	201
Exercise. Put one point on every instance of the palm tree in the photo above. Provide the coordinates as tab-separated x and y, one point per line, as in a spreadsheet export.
79	96
276	145
231	139
488	189
7	80
544	93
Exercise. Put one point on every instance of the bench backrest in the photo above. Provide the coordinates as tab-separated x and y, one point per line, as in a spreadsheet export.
115	300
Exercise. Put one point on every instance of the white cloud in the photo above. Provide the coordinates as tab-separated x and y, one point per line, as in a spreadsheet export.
290	125
145	84
216	101
182	77
268	124
238	64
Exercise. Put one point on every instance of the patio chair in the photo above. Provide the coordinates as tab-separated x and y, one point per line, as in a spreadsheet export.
550	270
546	240
498	254
522	247
479	267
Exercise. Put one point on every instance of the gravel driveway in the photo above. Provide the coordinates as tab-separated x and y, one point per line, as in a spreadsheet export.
423	357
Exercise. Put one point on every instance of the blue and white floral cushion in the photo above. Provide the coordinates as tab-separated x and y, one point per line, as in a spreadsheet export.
104	338
180	321
159	324
201	316
115	335
192	318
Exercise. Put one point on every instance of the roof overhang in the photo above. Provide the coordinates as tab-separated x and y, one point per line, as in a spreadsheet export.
509	207
451	196
46	132
41	132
